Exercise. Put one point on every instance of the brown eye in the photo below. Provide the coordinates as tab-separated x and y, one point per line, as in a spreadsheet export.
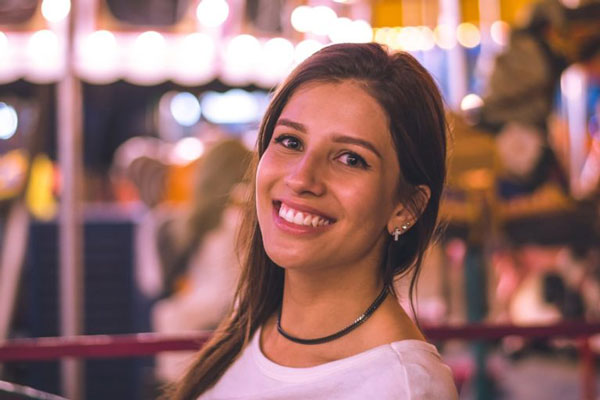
289	142
353	160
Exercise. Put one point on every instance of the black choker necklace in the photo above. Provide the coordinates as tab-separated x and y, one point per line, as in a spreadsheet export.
357	322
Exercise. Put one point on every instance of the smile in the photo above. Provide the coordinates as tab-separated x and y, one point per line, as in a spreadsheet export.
301	218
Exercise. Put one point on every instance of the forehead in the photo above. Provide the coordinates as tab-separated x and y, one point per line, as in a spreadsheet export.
339	107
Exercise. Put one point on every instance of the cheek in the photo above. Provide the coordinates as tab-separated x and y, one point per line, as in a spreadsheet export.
378	203
265	178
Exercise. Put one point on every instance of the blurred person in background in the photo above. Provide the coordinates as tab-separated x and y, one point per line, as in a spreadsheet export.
196	253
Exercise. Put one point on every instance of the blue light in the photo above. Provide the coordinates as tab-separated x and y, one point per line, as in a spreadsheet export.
8	121
185	108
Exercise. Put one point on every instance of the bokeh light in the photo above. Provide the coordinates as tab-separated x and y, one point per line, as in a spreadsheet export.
187	150
323	18
43	44
276	61
468	35
55	10
571	83
471	102
410	38
98	57
360	32
427	39
302	19
444	36
185	108
499	31
241	58
340	30
9	121
148	48
216	107
101	47
212	13
195	58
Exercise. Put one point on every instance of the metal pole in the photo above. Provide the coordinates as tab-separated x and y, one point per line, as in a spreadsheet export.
69	132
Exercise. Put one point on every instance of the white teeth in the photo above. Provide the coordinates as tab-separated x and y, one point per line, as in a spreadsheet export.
289	215
301	218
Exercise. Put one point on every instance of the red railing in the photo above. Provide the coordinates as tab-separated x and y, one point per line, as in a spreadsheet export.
143	344
140	344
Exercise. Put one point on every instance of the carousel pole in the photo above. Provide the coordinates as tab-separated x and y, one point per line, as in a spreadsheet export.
450	15
69	132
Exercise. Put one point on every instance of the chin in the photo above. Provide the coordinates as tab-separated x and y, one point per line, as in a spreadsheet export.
284	257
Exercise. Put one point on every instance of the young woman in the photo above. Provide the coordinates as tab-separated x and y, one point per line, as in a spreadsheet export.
351	166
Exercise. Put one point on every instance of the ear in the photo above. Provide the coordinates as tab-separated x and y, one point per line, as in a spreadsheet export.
407	212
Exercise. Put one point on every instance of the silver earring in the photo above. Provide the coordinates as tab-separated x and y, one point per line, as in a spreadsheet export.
396	234
405	226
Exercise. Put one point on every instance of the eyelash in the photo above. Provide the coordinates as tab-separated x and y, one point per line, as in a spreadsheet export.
282	138
361	163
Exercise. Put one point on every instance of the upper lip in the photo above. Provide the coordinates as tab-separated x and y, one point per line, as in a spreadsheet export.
304	208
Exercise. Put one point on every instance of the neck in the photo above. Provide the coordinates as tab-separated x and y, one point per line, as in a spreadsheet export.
316	305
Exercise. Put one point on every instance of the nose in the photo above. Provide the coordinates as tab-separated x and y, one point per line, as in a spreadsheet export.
306	176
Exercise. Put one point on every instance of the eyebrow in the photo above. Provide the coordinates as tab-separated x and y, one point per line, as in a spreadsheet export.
337	139
358	142
291	124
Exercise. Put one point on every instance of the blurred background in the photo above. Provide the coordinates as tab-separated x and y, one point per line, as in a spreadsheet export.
126	128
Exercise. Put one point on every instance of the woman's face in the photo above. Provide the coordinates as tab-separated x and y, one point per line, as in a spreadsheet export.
327	184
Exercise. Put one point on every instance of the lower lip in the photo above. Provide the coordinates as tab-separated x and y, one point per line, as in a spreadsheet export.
289	227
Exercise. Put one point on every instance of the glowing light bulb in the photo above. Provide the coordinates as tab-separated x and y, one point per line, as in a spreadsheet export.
98	57
302	19
194	60
361	31
411	38
279	52
444	36
212	13
216	107
9	121
468	35
471	102
147	59
427	38
499	32
276	61
185	108
42	43
148	46
241	57
341	30
571	83
187	150
101	47
382	35
55	10
323	19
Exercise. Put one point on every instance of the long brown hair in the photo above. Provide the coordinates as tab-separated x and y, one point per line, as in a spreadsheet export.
415	111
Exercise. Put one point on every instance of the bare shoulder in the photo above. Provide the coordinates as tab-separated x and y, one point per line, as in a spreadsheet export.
391	324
